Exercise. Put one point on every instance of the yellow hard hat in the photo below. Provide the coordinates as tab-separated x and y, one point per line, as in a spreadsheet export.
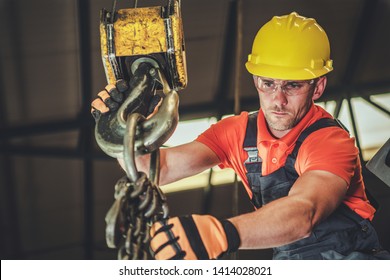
290	47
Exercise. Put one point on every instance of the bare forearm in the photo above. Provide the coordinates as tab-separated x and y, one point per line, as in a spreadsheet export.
143	165
312	198
280	222
179	162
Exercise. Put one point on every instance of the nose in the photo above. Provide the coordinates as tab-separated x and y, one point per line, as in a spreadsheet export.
279	96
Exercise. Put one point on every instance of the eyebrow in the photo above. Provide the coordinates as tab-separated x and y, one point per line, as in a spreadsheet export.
286	81
266	79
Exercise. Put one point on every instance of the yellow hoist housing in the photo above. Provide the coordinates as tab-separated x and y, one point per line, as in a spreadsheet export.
154	33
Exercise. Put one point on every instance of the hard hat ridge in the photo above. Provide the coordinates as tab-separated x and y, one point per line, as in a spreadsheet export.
294	20
290	47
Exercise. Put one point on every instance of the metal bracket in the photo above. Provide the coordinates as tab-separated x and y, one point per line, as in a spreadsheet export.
379	164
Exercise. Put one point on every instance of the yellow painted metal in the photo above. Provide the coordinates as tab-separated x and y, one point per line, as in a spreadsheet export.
139	32
104	50
144	32
179	49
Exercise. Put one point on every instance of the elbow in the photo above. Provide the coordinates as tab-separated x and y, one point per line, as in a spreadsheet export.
305	231
305	228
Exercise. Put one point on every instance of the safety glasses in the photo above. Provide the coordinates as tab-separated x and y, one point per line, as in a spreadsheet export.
289	88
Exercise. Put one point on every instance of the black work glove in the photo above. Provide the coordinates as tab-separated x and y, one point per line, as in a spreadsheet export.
109	99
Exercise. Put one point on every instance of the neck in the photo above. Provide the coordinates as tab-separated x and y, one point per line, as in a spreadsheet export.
278	133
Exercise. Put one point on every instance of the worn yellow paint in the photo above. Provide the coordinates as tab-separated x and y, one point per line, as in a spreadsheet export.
142	31
139	32
178	39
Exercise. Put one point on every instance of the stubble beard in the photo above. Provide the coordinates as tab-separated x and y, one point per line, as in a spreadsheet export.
285	122
280	124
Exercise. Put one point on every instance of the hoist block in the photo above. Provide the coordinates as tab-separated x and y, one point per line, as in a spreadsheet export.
153	32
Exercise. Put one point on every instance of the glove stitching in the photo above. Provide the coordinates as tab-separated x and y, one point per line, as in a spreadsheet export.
172	241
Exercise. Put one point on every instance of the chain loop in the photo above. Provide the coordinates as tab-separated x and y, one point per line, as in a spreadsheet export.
137	206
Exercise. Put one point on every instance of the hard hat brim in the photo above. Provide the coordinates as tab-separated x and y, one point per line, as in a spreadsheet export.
286	73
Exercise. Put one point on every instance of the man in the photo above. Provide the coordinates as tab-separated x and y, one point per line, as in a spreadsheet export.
299	167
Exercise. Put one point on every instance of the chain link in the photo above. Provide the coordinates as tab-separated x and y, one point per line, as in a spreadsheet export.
137	206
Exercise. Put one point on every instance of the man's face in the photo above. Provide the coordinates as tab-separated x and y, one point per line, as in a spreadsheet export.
285	103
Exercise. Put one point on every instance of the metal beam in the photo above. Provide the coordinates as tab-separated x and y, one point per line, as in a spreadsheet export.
354	127
376	105
362	34
51	152
337	109
228	59
355	90
86	133
236	93
11	243
25	130
230	62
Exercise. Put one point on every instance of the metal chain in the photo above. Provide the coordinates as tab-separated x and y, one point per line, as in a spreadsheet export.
139	202
137	206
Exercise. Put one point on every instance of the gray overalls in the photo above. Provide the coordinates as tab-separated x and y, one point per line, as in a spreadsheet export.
343	235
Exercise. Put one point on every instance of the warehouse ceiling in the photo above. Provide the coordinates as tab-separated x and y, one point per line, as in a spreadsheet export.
50	52
51	69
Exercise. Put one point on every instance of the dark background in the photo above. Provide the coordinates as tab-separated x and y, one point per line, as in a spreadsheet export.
55	184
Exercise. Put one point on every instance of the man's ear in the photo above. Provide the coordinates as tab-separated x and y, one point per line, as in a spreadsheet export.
319	88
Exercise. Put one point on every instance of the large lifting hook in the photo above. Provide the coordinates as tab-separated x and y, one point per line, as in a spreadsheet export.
138	200
153	131
154	67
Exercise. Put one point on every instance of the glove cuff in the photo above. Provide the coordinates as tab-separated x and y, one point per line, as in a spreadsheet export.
232	236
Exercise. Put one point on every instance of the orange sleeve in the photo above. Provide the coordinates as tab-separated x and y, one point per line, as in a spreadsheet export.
225	138
330	149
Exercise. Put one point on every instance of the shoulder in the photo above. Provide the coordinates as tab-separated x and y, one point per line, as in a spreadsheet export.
230	124
328	135
228	128
331	149
332	135
236	120
225	137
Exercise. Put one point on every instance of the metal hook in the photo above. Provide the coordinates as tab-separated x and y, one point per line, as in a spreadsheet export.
129	145
154	172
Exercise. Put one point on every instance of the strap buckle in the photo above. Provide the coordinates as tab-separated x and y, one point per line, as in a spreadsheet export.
253	155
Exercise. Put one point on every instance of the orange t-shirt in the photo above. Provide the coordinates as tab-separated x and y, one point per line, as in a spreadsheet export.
330	149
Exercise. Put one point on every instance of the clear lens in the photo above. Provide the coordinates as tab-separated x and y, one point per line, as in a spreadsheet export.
289	88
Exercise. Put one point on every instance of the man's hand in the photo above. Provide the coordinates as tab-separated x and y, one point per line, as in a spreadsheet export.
109	99
194	237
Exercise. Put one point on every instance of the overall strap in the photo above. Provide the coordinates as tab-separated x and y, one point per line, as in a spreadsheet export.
253	162
291	158
321	123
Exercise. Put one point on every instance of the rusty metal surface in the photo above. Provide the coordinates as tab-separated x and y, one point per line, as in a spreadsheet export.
110	129
139	31
179	48
138	204
149	31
